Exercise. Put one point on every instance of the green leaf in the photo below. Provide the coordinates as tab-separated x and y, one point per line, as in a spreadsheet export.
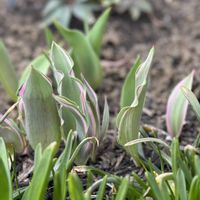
85	59
128	89
154	186
192	100
60	176
197	164
42	124
101	191
8	76
181	190
194	192
75	187
5	178
40	63
48	36
39	182
95	35
128	119
122	190
175	155
177	107
165	190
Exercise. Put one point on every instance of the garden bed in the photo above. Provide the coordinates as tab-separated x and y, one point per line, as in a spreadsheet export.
173	28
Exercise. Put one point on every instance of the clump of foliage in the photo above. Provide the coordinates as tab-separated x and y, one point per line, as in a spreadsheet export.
86	49
45	117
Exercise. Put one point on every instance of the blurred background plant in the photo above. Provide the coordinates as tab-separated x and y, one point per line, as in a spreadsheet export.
134	7
64	10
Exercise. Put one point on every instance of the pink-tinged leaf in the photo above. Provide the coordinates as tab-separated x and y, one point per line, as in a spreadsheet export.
82	94
22	90
93	100
177	107
91	93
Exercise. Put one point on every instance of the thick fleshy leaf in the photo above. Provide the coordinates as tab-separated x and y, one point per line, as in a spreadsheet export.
12	136
39	182
129	123
8	76
128	119
177	107
128	89
42	122
95	35
190	96
5	178
85	59
40	63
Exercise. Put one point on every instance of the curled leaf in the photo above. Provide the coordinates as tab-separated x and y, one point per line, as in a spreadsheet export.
128	119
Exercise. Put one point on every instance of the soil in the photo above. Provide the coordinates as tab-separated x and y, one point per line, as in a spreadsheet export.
173	28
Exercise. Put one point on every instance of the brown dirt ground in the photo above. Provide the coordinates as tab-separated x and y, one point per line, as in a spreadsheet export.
173	28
